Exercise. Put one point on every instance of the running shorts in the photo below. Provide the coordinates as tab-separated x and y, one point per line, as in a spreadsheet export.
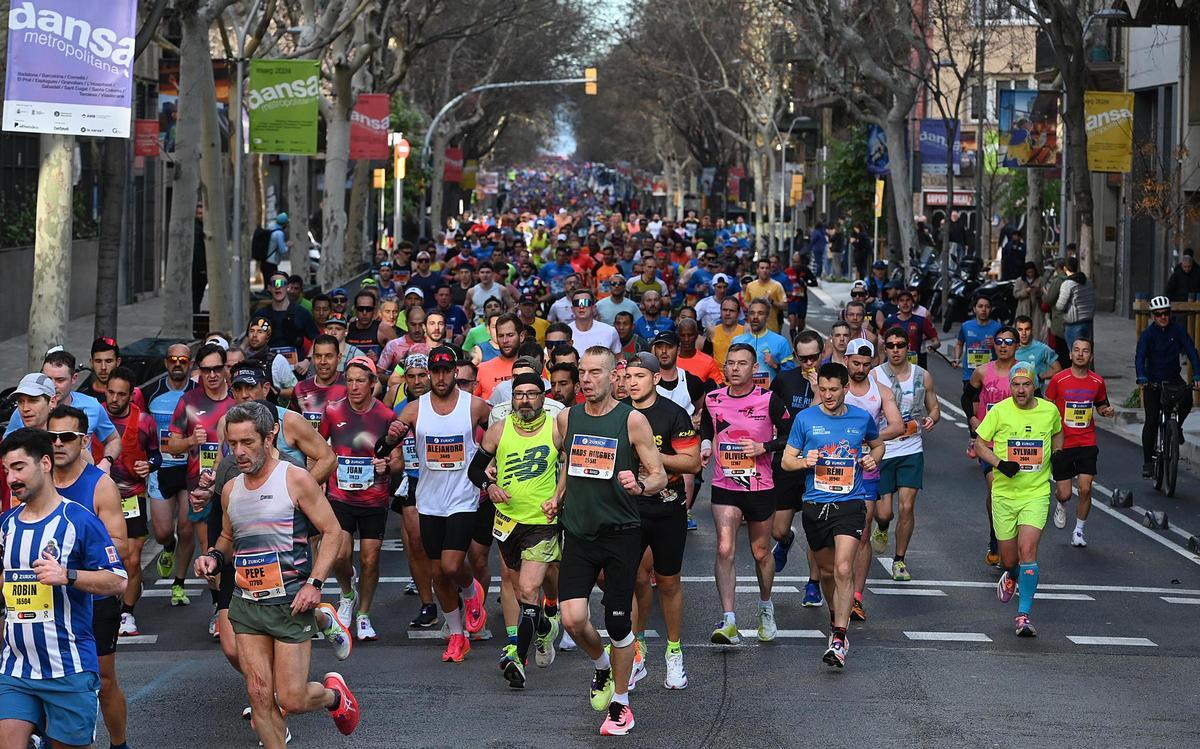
273	620
1008	514
756	507
1075	461
906	471
665	536
485	518
531	543
63	709
616	553
823	521
367	522
137	527
106	624
446	533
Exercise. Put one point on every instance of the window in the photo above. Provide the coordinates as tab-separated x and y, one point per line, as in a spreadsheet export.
1002	11
994	85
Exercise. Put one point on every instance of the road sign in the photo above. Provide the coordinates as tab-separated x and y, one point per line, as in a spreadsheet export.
403	149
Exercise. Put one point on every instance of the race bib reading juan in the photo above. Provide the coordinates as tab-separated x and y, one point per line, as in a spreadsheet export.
354	474
259	576
445	453
314	418
502	526
1078	414
978	355
131	507
1026	453
734	460
28	601
834	475
210	453
762	379
592	457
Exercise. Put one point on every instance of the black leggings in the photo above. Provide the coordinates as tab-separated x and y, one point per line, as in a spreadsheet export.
1151	402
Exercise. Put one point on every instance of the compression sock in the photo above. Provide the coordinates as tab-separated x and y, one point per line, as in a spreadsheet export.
1027	586
512	634
674	647
602	662
526	629
883	524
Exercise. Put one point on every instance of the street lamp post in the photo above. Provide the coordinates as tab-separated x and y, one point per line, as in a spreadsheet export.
783	186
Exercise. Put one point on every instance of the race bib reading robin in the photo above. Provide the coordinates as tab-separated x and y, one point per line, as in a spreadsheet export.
592	457
734	460
314	418
1078	414
28	601
834	475
978	355
210	453
445	453
502	526
762	379
259	576
354	474
131	507
1026	453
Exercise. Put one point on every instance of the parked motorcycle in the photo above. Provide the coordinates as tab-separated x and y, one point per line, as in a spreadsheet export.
963	286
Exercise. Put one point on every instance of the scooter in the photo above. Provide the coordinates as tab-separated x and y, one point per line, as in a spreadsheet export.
966	282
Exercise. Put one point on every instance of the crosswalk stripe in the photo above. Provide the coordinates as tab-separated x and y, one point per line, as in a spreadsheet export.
906	592
1140	642
774	589
651	634
812	634
1039	596
948	636
138	639
1175	599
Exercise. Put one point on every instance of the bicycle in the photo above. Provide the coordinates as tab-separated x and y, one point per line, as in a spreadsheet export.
1170	434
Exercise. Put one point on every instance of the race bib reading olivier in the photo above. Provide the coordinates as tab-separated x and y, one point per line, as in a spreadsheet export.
28	601
210	453
1078	414
354	474
734	460
502	526
131	507
1026	453
834	475
445	453
259	576
592	457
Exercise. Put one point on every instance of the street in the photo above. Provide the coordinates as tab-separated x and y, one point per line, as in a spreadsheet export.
936	664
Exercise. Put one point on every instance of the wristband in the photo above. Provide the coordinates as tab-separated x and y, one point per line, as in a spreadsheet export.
641	487
218	557
316	582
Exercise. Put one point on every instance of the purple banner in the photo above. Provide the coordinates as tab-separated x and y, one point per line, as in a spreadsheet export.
70	67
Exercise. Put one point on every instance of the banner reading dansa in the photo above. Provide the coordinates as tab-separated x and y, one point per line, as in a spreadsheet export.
369	123
282	100
1108	118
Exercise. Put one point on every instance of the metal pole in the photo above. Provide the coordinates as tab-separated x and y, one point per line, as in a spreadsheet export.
1062	185
238	278
980	216
783	190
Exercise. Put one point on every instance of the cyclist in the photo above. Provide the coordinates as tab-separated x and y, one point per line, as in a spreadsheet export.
1157	362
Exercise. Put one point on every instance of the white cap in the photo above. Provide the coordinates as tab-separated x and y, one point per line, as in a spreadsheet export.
414	290
855	347
858	285
218	340
721	277
36	384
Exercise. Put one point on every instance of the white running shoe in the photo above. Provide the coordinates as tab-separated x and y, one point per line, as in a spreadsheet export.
335	632
567	644
1077	539
766	624
128	626
345	607
638	672
1060	514
363	629
212	625
676	676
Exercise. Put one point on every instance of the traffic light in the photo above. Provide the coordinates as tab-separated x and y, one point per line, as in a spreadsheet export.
589	87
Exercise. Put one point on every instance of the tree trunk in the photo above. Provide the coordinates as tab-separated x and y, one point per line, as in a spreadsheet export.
337	151
437	188
52	248
114	155
1034	241
253	214
298	212
356	242
756	171
902	195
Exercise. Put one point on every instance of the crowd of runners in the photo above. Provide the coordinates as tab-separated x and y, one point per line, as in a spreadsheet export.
557	383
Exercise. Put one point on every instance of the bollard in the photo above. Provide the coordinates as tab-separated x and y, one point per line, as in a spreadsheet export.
1156	520
1121	498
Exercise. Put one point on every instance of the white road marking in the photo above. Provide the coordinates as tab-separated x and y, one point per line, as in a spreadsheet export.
948	636
906	592
960	425
1173	599
774	589
1040	596
951	407
650	633
886	562
138	639
190	593
975	584
812	634
1140	642
1103	507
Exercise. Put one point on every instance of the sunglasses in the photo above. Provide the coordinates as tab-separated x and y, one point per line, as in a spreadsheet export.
1005	341
896	345
808	357
859	295
583	302
279	283
218	369
463	382
556	344
339	299
178	359
365	309
1161	313
65	437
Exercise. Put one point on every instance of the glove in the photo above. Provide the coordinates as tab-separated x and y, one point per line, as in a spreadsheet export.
1009	468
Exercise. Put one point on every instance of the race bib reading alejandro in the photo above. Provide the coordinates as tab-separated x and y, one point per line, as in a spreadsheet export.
1026	453
592	457
259	576
834	475
734	460
445	453
28	601
354	474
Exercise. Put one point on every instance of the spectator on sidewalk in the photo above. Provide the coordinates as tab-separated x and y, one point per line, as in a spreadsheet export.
1028	291
1057	326
818	243
1077	302
1012	258
1185	279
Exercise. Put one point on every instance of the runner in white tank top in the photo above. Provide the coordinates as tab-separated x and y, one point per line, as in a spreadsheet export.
445	447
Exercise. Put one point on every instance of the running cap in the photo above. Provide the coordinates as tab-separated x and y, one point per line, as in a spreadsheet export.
645	360
337	320
669	337
219	341
1022	369
443	357
860	347
420	361
414	290
248	374
364	362
36	384
720	278
529	378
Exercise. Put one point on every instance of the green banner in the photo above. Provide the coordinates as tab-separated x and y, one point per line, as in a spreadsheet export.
282	100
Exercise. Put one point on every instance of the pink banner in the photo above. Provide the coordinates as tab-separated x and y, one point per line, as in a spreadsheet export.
454	165
369	123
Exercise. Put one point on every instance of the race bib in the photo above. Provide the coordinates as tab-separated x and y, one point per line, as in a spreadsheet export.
408	449
259	576
131	507
834	475
210	453
314	418
911	428
1026	453
354	474
445	453
502	526
287	352
592	457
1078	414
734	460
977	356
761	379
28	601
163	436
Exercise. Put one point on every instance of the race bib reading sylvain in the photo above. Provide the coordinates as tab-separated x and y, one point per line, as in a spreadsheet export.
834	475
259	576
1026	453
28	601
445	453
210	453
354	474
734	460
1078	414
592	457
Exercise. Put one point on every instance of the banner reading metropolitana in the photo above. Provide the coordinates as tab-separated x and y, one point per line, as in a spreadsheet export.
70	67
282	99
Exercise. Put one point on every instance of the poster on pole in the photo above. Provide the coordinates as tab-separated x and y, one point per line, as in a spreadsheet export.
145	138
878	162
1108	118
70	67
879	184
1028	128
369	124
489	183
934	151
282	100
453	170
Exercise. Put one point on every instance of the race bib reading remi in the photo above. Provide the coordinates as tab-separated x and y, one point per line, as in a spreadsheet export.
1026	453
834	475
131	507
445	453
28	601
1078	414
314	418
734	460
502	526
592	457
354	474
978	355
210	453
259	576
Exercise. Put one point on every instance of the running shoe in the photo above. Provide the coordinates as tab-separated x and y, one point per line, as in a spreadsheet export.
346	603
602	688
692	525
992	558
212	625
345	715
726	634
971	449
879	540
676	676
619	721
128	626
178	597
543	646
566	644
766	624
639	666
165	563
456	649
1005	587
426	617
900	571
812	595
857	613
780	552
410	588
247	712
287	738
514	673
1077	539
1060	514
363	629
507	653
835	654
1024	627
335	632
475	615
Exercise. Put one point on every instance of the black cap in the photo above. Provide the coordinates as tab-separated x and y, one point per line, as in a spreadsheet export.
443	357
248	373
669	337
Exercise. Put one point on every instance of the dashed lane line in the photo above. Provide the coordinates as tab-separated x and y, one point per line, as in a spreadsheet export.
1140	642
948	636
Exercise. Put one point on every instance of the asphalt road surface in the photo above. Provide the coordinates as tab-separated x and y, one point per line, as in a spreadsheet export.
936	664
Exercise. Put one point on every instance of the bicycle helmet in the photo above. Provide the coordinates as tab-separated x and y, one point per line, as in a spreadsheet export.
1160	303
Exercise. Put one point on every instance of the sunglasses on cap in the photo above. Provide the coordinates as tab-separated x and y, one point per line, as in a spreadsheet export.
66	437
1006	341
